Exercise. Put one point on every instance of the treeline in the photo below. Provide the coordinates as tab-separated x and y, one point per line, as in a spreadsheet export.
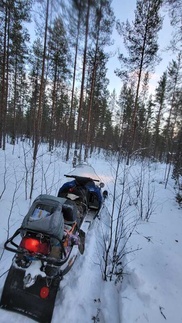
53	84
55	89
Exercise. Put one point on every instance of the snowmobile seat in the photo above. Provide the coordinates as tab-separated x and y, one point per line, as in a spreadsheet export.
93	201
94	196
81	192
64	189
69	210
77	188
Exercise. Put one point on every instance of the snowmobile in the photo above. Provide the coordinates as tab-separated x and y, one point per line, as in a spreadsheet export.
47	244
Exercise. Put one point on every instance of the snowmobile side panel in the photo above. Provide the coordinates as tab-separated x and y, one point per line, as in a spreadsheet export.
27	301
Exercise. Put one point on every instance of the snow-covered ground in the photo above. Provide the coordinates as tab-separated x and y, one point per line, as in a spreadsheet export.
151	290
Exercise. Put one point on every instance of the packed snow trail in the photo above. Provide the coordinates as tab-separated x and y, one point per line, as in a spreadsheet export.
82	297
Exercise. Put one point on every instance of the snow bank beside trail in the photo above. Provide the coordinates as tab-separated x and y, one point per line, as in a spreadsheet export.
153	289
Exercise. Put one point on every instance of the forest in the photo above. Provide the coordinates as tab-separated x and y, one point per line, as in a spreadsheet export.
54	85
57	109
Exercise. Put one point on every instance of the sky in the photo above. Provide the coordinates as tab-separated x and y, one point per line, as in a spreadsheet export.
151	290
125	10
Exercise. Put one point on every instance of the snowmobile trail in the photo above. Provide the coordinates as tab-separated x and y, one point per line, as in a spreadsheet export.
81	277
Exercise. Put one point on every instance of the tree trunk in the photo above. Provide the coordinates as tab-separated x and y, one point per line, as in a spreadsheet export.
82	84
92	88
4	87
39	112
73	89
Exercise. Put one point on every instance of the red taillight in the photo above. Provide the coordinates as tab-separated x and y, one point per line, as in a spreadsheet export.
44	292
71	189
35	245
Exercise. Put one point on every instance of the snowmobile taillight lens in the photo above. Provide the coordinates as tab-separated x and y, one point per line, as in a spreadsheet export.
34	245
71	189
44	292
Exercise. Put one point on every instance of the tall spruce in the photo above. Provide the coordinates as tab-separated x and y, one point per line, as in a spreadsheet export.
140	39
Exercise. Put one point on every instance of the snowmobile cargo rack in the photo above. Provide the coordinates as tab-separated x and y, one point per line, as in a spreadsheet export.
38	256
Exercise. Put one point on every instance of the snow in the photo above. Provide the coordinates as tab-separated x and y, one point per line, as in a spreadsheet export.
151	290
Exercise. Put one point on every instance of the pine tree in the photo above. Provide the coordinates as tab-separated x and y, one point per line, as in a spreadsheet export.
174	111
81	100
101	31
38	120
100	98
140	39
160	98
13	54
77	6
58	71
5	27
18	58
147	134
173	99
177	170
125	104
35	63
175	13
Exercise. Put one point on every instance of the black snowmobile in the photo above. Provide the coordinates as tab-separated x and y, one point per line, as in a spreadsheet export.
47	244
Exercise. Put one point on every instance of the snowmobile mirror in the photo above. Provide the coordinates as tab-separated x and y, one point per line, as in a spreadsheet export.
102	185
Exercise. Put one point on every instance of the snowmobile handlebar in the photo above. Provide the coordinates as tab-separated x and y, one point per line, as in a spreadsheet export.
84	178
